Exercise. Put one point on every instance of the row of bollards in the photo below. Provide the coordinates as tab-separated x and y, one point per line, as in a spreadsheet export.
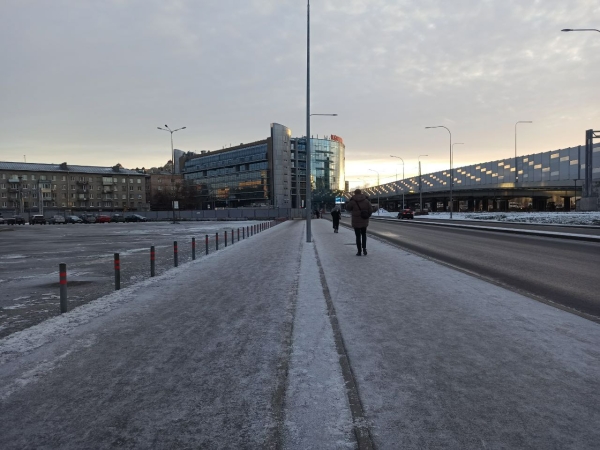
247	231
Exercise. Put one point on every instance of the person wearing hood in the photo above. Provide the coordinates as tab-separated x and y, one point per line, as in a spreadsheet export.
336	213
361	209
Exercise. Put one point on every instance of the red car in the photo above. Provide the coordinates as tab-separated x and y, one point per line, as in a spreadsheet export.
102	219
406	214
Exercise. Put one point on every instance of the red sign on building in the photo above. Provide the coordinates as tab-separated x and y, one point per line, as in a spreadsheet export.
337	138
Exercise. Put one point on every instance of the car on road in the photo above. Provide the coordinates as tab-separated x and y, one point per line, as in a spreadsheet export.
57	220
135	218
1	219
88	218
102	218
16	220
38	218
74	219
117	218
406	214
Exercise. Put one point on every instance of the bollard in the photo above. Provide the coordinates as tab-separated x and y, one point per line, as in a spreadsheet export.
238	235
243	232
193	248
175	260
62	270
152	262
207	244
232	238
117	272
217	242
225	235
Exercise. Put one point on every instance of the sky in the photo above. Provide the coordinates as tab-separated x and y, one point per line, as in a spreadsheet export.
88	82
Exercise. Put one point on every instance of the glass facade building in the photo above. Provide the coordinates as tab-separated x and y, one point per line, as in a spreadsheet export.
254	174
327	168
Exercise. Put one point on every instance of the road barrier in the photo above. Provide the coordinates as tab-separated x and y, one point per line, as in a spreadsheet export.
152	262
246	231
117	272
62	270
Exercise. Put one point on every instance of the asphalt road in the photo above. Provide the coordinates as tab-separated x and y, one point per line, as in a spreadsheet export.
30	256
556	271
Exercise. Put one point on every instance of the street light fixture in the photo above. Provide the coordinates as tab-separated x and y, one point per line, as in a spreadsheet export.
451	169
516	168
580	29
392	156
172	162
420	184
378	205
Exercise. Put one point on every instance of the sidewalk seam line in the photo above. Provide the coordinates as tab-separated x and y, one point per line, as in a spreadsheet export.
360	426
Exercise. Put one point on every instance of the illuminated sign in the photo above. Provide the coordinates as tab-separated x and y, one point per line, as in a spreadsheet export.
337	138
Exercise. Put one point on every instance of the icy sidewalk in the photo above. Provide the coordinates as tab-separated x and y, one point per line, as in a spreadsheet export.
445	360
195	358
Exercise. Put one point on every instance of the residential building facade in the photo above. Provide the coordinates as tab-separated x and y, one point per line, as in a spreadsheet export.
30	187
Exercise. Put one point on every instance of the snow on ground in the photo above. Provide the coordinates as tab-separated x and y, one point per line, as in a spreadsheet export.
555	218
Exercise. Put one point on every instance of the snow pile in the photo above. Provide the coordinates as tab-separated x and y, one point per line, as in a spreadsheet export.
384	213
555	218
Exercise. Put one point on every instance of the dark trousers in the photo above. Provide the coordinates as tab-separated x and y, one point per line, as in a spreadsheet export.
336	223
361	233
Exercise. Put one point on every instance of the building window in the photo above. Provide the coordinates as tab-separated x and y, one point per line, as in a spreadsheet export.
139	181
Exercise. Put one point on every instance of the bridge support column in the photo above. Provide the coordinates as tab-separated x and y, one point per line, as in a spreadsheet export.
485	204
471	204
434	204
445	202
566	204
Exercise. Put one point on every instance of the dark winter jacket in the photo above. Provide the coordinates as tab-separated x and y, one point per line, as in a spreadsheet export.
335	215
353	206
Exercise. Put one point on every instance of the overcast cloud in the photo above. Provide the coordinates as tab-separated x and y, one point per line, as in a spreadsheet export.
88	82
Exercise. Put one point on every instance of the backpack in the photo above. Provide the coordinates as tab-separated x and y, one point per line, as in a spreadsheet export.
364	214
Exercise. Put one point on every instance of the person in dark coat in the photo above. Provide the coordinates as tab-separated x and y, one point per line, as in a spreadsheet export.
336	213
358	203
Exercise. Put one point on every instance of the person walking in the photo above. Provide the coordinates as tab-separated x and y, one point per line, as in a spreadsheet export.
336	213
361	209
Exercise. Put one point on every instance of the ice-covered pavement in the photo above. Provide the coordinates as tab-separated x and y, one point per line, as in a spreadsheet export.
238	350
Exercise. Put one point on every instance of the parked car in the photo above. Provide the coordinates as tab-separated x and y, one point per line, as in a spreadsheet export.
57	220
135	218
1	219
406	214
38	218
74	219
117	218
16	220
88	218
102	218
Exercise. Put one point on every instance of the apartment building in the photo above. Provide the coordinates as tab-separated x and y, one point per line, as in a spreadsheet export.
30	187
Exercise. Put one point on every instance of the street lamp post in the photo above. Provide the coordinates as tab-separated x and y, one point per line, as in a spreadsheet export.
378	205
580	29
451	169
172	163
452	160
516	168
420	185
402	177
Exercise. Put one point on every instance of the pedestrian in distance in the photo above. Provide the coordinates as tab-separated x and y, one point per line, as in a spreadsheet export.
361	209
336	213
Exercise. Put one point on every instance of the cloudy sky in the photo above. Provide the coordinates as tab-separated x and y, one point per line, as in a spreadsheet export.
88	81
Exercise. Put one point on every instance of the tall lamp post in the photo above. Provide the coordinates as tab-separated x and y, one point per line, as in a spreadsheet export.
392	156
452	160
172	162
451	171
580	29
378	205
420	185
516	168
